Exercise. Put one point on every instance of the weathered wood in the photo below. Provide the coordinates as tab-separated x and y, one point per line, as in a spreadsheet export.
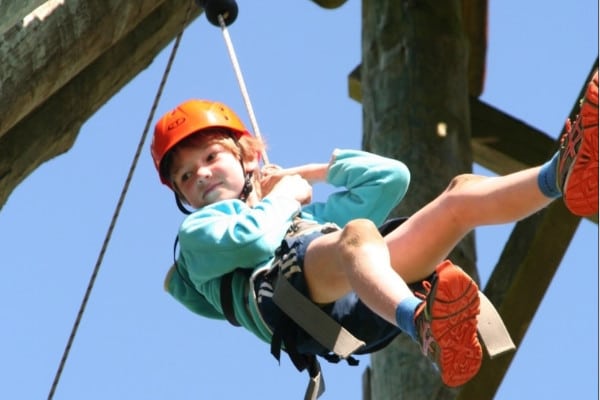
504	144
474	22
37	59
500	142
475	19
48	131
366	384
414	76
12	12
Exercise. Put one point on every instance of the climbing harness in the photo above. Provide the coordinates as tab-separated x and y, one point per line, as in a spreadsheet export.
117	211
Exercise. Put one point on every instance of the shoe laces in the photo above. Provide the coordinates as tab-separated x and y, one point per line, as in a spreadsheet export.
423	321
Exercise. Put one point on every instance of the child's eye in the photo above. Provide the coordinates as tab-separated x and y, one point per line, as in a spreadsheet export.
185	177
212	155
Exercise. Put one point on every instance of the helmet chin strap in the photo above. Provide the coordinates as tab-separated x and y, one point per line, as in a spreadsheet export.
247	189
180	205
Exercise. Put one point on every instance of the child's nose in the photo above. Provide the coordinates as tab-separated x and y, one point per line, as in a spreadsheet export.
203	172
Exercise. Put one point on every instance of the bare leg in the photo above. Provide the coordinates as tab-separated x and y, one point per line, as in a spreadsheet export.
422	242
444	324
355	258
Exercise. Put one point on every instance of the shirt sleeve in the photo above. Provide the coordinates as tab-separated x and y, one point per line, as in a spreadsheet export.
226	235
373	186
183	291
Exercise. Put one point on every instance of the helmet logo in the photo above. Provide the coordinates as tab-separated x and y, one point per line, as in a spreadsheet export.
174	124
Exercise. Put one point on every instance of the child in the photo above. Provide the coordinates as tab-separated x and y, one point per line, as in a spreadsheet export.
250	227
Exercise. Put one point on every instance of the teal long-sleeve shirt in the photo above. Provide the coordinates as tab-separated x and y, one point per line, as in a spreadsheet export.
227	235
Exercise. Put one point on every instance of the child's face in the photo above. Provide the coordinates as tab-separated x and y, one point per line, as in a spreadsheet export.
207	173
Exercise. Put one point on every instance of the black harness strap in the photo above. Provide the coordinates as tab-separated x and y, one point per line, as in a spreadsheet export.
227	298
224	289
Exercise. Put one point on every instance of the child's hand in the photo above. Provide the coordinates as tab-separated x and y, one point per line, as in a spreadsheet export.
269	175
293	186
272	174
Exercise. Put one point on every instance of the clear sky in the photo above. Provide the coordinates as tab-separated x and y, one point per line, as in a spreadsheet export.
135	342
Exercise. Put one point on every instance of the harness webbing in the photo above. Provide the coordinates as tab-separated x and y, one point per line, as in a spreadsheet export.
227	299
313	320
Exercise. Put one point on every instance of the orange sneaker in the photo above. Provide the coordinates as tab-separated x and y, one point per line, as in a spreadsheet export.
447	324
577	171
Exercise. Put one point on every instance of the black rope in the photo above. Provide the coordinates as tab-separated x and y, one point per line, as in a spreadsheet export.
118	208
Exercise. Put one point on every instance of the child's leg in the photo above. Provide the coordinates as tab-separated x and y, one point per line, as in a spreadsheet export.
443	320
354	259
427	237
419	244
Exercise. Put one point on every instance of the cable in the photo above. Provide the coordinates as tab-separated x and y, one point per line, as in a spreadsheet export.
117	210
240	79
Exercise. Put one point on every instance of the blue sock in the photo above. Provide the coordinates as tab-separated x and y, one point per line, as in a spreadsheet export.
547	178
405	316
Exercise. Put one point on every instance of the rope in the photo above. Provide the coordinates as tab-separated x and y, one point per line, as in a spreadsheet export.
242	84
117	210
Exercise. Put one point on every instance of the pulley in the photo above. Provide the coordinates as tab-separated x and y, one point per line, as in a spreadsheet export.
227	9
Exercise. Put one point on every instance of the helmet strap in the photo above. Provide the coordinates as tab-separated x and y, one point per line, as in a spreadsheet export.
180	205
247	187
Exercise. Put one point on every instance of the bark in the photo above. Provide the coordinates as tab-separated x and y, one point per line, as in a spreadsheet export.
414	83
74	56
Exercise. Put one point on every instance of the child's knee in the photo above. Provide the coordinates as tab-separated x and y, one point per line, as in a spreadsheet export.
458	199
359	232
461	181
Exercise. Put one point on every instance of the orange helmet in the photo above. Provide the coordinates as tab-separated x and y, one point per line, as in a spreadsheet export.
188	118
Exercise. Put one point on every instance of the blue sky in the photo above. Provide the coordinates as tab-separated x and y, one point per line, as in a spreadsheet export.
136	342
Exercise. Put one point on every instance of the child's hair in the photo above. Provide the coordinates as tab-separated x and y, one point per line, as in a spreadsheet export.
245	148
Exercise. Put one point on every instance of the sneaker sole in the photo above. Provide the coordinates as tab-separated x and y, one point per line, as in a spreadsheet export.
581	190
454	325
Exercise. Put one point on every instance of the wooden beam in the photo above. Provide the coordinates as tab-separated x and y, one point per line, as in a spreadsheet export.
48	131
475	19
38	58
12	12
504	144
519	282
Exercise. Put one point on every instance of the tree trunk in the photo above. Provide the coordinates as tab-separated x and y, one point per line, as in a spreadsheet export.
415	100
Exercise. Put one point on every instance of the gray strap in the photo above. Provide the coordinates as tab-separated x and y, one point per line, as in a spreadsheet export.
492	330
316	384
313	320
